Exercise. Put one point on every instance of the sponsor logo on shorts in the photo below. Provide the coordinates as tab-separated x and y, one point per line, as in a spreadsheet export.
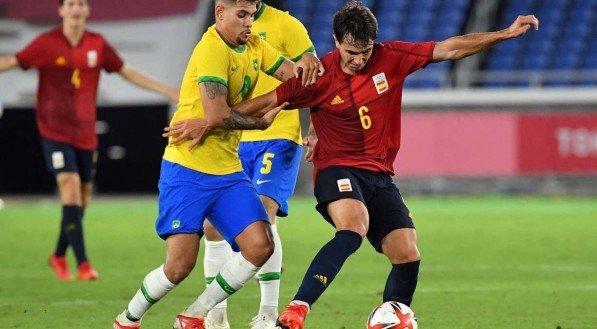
259	181
344	185
58	160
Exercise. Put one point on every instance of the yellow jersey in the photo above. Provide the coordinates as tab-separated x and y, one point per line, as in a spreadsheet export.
237	68
287	35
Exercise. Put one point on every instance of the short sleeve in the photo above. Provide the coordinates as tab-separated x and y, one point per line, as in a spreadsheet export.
112	61
293	92
297	41
212	68
33	54
411	56
272	59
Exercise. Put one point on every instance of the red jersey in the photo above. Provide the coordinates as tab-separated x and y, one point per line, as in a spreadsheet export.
357	117
68	82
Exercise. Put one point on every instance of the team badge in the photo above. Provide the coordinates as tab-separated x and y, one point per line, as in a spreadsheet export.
256	65
92	58
381	83
175	224
58	160
262	35
344	185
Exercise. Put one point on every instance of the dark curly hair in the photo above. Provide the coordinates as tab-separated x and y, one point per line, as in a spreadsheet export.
357	21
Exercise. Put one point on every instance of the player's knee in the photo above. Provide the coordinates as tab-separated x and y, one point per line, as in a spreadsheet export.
260	251
176	272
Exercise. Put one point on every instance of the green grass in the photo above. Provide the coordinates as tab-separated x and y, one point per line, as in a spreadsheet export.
487	263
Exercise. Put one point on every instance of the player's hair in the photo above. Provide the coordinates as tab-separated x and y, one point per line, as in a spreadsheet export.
236	1
61	2
354	19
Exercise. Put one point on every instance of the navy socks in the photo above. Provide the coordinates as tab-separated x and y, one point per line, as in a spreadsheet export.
326	265
402	283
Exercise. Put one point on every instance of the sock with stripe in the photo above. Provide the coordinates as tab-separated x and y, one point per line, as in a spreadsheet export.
402	283
233	275
269	279
217	253
154	287
326	265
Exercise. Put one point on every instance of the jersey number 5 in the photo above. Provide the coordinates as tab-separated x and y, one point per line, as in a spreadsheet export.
365	119
267	163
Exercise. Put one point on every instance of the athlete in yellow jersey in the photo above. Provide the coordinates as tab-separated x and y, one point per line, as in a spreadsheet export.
208	180
271	159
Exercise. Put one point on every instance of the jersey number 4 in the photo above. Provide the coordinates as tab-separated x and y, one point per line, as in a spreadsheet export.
75	79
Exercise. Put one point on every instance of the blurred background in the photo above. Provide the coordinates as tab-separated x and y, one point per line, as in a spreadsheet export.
518	119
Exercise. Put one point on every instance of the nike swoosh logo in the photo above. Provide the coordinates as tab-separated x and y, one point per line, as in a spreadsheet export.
259	181
233	69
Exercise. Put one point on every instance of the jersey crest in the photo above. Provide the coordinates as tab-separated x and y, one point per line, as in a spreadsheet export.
263	35
92	58
381	83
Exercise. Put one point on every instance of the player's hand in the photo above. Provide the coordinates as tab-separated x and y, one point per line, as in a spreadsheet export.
309	141
522	24
270	115
311	67
190	129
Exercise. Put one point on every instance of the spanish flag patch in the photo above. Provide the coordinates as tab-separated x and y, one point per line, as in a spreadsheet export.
344	185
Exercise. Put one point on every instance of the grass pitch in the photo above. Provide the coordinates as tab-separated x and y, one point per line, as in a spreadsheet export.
488	262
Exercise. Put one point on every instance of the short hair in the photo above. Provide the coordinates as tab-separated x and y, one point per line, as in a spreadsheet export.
354	19
237	1
61	2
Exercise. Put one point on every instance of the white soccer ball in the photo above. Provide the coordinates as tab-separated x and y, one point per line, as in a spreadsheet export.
392	315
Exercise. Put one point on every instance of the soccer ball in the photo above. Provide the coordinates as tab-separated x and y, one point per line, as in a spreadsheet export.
392	315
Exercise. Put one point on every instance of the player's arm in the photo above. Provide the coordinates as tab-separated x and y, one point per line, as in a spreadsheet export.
469	44
140	79
217	115
309	64
8	62
309	141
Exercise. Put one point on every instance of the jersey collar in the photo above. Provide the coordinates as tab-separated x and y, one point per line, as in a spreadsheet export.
260	11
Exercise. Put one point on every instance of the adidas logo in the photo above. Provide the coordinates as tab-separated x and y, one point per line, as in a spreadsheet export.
321	278
337	100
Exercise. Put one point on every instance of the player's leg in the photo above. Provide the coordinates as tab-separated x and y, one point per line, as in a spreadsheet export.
181	255
182	207
246	228
340	200
276	164
86	161
217	253
392	232
61	161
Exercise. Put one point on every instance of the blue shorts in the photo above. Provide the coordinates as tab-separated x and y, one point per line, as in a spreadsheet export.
188	196
61	157
273	167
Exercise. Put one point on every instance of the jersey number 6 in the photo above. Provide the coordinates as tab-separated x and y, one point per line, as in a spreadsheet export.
365	119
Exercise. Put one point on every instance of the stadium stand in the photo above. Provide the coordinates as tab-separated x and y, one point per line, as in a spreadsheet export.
564	53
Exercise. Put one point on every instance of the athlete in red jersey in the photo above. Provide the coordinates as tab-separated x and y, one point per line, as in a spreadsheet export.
355	110
69	60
